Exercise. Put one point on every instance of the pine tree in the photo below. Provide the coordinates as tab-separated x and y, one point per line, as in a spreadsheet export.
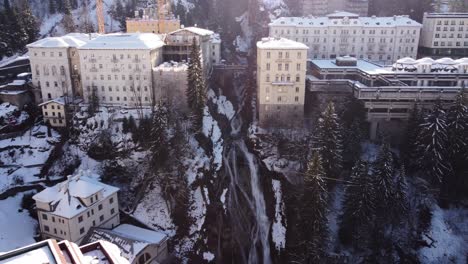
329	141
93	105
409	143
29	23
400	197
196	90
52	7
352	143
383	171
314	212
7	6
159	140
358	207
457	127
432	145
67	21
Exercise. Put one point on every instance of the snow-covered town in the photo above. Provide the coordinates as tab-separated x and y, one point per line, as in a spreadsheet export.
220	131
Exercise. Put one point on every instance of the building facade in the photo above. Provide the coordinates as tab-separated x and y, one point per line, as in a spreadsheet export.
117	68
149	22
69	209
390	93
444	34
281	71
179	43
378	39
323	7
55	65
170	83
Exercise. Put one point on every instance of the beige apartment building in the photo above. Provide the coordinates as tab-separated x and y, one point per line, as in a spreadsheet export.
378	39
69	209
55	65
444	35
281	73
117	68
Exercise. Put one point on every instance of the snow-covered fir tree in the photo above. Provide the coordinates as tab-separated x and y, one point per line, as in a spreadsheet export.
400	197
159	140
433	145
196	90
409	142
358	207
457	127
329	141
314	212
383	178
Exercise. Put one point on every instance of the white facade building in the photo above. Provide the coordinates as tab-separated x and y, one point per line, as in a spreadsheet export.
118	68
69	209
281	71
444	34
378	39
55	65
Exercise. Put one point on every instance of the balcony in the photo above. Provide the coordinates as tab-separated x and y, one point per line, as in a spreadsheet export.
283	83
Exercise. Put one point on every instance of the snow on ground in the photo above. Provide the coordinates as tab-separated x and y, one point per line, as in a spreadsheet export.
208	256
244	41
223	198
279	230
449	229
370	151
7	111
272	4
21	158
16	228
334	214
153	211
224	106
212	131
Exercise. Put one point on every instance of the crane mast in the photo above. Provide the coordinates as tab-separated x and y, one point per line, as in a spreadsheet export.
100	17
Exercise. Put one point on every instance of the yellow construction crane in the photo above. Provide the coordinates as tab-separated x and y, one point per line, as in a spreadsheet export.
100	17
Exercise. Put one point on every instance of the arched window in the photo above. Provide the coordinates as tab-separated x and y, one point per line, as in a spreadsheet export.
277	78
268	77
282	77
46	70
37	70
288	78
62	70
54	70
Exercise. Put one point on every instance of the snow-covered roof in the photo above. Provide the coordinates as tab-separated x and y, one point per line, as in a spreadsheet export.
127	41
17	83
195	30
215	38
280	43
63	100
171	66
406	60
362	65
66	197
340	19
72	40
130	239
446	61
40	252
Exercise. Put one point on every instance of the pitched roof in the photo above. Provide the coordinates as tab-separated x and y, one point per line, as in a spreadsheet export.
280	43
127	41
131	240
195	30
66	197
70	40
338	20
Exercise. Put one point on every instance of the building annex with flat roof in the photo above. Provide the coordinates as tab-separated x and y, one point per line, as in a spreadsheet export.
390	92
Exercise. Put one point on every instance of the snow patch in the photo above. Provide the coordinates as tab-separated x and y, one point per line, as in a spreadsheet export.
208	256
279	230
212	131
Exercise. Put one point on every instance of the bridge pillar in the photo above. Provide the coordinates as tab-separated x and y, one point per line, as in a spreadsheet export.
374	125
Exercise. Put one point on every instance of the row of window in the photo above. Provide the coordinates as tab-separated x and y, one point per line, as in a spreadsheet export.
451	35
45	70
282	78
450	44
345	31
280	89
114	57
93	67
116	77
369	49
52	107
282	99
48	54
53	114
286	66
353	40
452	29
117	89
47	83
369	57
452	22
124	98
286	54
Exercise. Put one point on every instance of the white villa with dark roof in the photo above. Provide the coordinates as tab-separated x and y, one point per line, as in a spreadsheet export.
378	39
69	209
